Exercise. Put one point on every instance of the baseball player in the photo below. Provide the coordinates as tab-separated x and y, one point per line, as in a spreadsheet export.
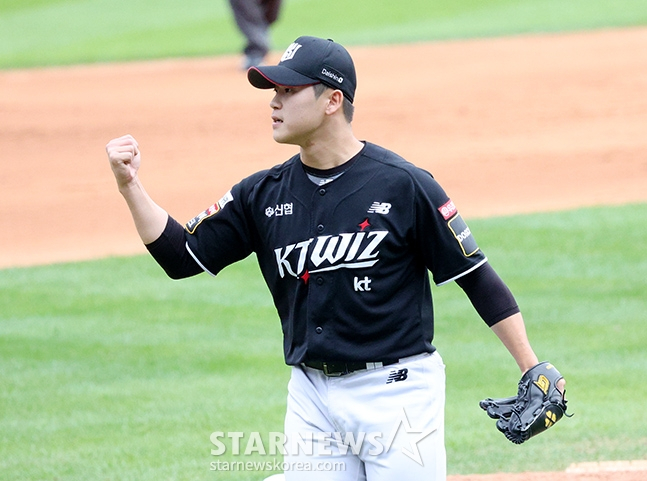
345	233
254	18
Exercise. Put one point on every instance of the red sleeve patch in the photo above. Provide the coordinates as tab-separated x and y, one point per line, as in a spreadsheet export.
214	209
448	210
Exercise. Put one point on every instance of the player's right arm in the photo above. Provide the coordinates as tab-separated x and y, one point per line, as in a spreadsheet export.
125	159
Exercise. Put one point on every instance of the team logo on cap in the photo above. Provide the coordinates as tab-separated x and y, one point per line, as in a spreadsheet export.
291	50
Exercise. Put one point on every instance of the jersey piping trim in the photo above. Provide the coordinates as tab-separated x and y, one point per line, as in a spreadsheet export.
198	261
461	274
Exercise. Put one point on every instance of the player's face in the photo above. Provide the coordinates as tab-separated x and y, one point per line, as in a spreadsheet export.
297	115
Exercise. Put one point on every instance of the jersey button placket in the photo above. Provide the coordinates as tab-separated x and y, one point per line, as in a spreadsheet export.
319	280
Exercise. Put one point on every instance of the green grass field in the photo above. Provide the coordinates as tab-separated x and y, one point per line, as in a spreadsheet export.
52	32
111	371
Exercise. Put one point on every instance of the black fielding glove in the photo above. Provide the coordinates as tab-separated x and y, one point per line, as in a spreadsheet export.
537	406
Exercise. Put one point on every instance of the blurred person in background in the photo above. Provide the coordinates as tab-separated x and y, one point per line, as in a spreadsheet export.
254	18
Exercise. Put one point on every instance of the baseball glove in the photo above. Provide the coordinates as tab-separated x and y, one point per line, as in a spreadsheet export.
536	407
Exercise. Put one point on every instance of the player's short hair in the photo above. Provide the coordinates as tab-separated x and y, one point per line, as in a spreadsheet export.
347	107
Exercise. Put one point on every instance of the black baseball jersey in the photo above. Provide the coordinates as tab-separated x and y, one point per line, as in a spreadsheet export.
346	262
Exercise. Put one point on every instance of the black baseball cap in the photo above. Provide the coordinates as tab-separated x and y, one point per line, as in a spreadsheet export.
309	61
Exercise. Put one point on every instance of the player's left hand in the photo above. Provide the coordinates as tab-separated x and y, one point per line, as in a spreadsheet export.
538	405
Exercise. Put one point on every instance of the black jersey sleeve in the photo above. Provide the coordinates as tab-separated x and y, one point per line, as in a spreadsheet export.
489	295
170	252
222	234
445	241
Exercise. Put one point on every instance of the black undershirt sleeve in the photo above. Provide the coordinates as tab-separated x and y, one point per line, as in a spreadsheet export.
489	295
170	252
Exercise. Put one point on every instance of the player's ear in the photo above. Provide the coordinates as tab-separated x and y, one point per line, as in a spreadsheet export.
335	101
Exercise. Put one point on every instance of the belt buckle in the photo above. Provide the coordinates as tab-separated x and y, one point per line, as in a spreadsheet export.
329	373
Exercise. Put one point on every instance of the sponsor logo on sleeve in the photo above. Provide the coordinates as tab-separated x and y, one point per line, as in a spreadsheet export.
448	210
463	235
192	225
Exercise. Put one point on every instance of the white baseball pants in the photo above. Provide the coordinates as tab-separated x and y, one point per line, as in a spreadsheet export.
371	425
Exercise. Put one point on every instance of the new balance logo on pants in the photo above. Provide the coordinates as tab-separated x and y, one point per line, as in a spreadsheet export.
399	375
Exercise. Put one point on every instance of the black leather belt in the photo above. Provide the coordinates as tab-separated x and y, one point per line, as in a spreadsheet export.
336	369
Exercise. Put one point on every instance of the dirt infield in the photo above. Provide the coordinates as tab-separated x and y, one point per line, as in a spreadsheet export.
506	125
605	471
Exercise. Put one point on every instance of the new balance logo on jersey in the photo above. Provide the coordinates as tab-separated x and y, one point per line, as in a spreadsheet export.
344	251
379	208
397	376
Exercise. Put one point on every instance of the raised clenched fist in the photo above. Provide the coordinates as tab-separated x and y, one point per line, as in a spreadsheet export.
125	159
